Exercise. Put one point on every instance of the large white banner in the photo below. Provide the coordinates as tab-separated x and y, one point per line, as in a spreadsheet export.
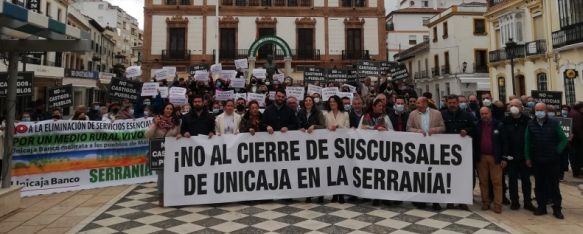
371	164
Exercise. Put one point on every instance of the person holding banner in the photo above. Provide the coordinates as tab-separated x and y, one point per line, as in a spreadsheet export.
399	115
336	118
311	118
197	121
251	121
228	122
356	111
376	118
165	125
278	116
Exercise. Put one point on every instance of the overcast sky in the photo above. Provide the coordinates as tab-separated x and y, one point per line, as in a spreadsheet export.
136	8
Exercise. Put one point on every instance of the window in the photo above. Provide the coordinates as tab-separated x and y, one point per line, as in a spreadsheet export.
479	26
354	43
541	82
481	61
436	65
538	27
425	3
435	34
48	10
305	43
266	49
59	13
446	61
425	21
511	27
501	88
412	39
177	43
425	38
570	12
570	91
444	30
412	3
228	47
447	89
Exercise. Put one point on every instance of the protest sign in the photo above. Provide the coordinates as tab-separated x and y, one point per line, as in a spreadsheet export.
237	83
370	164
297	92
171	71
399	72
271	95
384	67
337	75
156	154
177	91
241	95
314	89
241	63
216	68
314	74
150	89
260	73
259	98
352	88
279	77
346	94
566	125
329	92
368	68
551	98
23	84
224	95
124	89
198	67
133	71
227	74
163	92
161	74
178	100
65	155
61	96
201	76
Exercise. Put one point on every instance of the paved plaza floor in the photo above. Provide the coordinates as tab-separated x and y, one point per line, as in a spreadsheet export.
134	209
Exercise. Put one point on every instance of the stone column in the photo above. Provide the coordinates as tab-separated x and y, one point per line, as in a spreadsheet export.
288	68
251	61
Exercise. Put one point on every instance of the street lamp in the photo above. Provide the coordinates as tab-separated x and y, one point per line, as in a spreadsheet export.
510	53
464	67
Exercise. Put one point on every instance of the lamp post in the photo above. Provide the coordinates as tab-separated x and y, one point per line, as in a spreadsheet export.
510	53
464	67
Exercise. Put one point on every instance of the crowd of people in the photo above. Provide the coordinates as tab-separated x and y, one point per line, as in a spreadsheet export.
511	141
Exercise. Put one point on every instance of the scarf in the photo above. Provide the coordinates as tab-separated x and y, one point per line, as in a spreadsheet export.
166	123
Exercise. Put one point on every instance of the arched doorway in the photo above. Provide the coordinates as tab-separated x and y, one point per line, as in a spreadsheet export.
270	40
520	88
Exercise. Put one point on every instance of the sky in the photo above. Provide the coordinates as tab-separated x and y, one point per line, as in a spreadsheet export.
136	8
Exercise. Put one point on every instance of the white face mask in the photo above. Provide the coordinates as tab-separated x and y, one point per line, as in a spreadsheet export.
514	110
317	100
487	102
146	113
131	111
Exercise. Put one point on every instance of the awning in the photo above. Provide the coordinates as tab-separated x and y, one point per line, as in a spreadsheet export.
79	82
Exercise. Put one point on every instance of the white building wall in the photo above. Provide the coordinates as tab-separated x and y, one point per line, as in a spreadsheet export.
333	3
320	34
336	37
159	27
246	32
372	3
371	40
211	2
195	34
286	29
318	3
198	2
157	2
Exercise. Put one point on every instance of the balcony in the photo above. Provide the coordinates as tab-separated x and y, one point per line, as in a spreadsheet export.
417	75
268	3
175	55
501	55
537	47
424	74
178	2
445	70
492	3
480	68
279	54
568	35
353	3
355	54
435	71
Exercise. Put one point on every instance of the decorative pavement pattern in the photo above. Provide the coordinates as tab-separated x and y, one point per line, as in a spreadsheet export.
138	212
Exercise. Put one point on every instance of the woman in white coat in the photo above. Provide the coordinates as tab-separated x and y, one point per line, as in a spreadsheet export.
336	118
228	121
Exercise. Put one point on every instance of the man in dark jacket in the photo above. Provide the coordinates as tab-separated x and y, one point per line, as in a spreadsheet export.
576	115
544	141
356	112
514	128
198	120
399	115
457	122
278	116
488	155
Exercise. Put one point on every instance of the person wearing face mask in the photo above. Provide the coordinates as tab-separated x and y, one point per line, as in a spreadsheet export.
216	109
95	112
126	112
544	142
185	110
347	104
513	131
25	117
474	106
399	115
240	108
148	112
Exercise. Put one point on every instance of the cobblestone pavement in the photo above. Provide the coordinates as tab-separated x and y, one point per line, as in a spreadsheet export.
138	212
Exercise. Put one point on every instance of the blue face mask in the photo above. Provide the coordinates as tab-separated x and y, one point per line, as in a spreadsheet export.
530	104
347	107
565	114
540	114
463	106
400	108
551	114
